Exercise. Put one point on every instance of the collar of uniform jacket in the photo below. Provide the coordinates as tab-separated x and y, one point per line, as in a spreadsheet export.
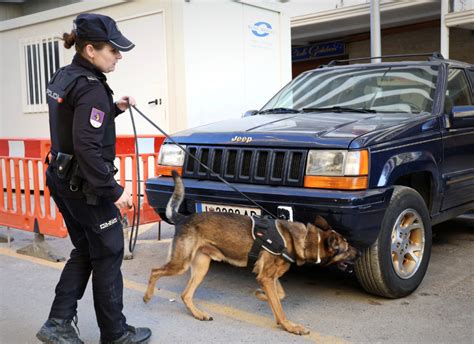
78	60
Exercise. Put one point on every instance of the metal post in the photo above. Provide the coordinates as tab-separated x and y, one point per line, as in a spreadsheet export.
444	46
8	239
375	44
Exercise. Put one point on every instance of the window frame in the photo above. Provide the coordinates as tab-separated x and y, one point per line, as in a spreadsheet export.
468	83
40	104
470	77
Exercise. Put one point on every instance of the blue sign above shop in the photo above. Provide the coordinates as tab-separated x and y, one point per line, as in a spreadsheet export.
316	51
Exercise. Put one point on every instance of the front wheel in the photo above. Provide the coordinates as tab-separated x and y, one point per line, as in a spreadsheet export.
396	263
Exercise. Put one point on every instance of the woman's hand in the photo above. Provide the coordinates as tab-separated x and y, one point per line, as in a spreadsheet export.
125	201
122	103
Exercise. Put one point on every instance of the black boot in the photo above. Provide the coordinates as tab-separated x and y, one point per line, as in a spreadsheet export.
131	336
58	331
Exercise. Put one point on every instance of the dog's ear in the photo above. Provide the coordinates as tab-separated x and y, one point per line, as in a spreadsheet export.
332	241
320	222
298	234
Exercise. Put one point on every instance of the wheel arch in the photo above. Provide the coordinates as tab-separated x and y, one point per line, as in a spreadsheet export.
416	170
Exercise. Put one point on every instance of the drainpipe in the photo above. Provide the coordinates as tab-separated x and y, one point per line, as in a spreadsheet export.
375	45
444	29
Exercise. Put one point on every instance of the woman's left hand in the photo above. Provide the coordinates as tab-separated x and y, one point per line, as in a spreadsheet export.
123	102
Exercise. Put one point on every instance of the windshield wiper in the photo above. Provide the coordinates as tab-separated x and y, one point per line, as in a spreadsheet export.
279	110
338	109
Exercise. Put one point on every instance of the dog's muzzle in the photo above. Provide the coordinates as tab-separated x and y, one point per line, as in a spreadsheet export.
346	266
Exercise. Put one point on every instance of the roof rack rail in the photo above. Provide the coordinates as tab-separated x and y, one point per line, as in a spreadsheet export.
432	56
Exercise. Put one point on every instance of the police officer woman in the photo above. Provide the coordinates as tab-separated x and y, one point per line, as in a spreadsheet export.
81	179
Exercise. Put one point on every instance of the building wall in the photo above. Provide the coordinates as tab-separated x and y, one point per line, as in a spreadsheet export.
230	70
8	11
213	71
34	6
2	77
461	45
14	10
17	123
417	40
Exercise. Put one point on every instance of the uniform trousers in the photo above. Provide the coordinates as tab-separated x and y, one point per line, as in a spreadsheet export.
97	236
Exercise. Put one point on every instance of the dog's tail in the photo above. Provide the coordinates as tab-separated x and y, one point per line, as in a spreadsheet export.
176	199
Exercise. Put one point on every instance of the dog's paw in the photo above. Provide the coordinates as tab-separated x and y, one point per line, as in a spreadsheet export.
260	294
146	298
203	316
294	328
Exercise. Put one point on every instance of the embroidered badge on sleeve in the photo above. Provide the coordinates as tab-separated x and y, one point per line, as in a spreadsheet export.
97	118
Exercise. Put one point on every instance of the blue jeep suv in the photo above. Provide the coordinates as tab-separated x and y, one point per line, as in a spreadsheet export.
381	150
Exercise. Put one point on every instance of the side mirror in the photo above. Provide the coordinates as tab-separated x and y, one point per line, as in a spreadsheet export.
250	113
462	116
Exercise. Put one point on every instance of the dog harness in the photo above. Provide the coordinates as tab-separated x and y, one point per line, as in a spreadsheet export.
267	236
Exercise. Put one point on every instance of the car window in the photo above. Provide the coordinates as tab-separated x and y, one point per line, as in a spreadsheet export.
408	89
471	76
457	91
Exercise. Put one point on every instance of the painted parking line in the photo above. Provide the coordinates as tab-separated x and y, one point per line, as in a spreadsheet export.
153	241
230	312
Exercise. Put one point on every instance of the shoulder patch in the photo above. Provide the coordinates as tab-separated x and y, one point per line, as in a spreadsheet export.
92	78
97	118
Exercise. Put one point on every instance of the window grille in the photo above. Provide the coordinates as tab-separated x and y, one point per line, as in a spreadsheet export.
41	57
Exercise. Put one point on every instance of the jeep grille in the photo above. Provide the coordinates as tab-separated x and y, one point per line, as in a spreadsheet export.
248	165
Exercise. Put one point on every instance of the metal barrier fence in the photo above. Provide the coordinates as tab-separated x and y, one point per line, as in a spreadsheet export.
25	202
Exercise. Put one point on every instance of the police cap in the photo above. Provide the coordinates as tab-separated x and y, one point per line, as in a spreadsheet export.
97	27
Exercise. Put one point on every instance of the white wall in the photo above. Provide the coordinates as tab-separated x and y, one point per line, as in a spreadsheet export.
216	69
228	69
16	123
2	77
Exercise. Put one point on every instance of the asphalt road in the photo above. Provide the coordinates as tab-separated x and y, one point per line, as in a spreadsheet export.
330	303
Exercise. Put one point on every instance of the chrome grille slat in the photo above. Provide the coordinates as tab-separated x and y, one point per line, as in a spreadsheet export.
263	166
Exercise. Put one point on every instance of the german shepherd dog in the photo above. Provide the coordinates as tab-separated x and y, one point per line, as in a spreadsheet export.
202	237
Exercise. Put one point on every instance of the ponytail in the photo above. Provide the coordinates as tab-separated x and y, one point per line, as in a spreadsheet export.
69	39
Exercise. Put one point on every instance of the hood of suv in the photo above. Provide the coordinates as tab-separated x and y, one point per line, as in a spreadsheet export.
336	130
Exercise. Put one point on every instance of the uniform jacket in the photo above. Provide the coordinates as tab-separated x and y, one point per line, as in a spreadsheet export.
82	123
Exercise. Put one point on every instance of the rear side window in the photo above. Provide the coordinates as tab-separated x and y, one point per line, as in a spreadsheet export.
458	91
471	76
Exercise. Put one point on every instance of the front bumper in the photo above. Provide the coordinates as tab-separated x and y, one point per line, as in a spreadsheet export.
357	214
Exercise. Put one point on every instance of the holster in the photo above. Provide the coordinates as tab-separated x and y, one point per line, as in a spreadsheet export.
63	164
68	168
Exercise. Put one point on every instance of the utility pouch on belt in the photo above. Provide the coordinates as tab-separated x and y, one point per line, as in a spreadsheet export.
76	181
63	164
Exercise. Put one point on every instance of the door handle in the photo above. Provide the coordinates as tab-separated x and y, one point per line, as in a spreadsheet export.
155	101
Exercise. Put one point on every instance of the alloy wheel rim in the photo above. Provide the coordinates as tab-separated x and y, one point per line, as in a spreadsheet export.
408	243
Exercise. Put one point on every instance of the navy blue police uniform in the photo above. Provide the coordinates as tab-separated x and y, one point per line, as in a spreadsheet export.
82	125
81	179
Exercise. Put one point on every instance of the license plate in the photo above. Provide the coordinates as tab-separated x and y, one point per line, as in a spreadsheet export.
233	209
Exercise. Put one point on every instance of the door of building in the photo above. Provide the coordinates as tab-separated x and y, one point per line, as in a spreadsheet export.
142	73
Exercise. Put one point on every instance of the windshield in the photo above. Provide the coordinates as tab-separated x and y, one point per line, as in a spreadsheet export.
407	89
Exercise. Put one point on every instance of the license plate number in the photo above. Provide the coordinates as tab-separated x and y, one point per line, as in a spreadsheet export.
233	209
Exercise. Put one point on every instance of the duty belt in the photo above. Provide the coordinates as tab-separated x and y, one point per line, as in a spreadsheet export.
68	169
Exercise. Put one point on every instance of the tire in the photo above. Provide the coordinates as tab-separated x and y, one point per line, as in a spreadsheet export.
406	226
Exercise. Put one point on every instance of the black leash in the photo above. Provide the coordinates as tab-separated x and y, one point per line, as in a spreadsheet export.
136	212
200	163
